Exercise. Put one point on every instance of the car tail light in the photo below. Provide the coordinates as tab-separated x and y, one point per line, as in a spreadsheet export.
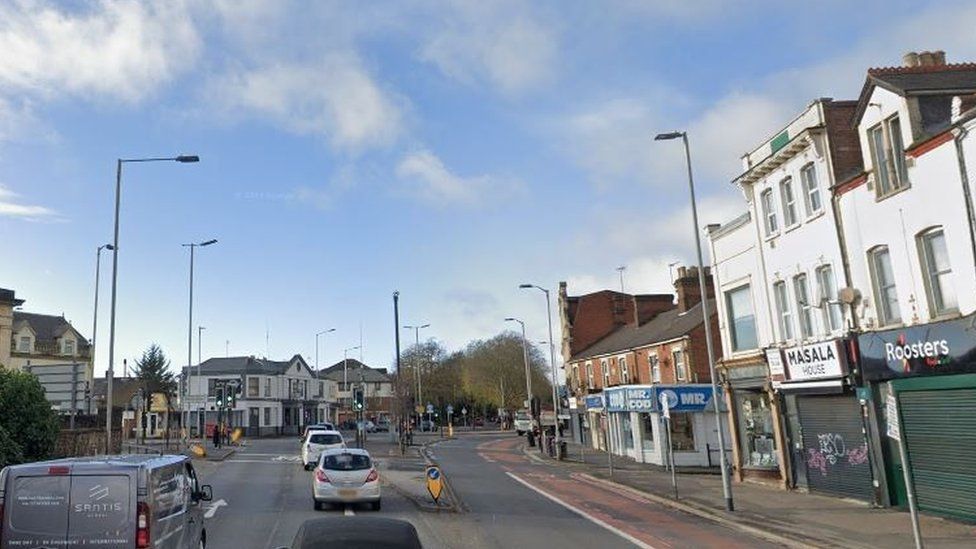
372	476
320	476
142	525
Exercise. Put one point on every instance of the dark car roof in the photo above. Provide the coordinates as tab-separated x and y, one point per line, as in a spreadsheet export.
355	533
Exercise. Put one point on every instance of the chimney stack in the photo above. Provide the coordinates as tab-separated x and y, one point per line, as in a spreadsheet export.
926	59
910	59
940	58
688	288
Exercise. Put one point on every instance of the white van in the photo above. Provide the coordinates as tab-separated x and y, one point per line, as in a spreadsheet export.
109	502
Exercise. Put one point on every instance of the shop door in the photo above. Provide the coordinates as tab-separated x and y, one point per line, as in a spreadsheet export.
939	428
834	448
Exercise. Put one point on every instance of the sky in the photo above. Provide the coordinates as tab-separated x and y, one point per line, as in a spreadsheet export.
446	150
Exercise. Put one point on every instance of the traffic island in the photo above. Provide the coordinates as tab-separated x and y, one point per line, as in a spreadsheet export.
407	476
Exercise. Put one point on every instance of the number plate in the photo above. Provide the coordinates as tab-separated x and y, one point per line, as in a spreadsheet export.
347	493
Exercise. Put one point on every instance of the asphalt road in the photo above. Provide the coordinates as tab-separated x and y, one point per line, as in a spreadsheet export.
262	495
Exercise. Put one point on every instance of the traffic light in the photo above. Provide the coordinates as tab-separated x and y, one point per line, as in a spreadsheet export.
220	396
231	398
358	401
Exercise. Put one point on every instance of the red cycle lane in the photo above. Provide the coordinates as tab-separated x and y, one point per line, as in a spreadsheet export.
642	521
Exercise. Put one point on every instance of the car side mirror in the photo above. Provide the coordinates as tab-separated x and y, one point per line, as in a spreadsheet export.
205	493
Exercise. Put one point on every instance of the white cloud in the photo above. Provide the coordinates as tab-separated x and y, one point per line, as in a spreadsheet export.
501	44
123	50
336	98
439	186
10	208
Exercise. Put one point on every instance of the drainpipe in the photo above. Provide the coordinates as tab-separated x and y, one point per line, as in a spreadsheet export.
959	134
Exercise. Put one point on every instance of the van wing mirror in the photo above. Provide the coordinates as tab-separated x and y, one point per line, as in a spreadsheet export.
205	493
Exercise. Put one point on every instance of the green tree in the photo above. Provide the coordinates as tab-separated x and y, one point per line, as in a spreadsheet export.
28	425
153	371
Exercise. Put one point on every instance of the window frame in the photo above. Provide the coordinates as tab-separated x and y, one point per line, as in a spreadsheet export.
788	198
654	364
784	316
892	178
885	316
589	375
605	366
257	386
933	277
804	314
68	347
730	313
624	371
768	205
680	374
828	304
21	348
808	177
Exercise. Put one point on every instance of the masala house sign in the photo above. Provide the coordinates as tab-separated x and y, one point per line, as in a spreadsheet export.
814	361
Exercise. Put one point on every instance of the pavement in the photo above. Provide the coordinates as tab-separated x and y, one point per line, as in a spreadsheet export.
791	517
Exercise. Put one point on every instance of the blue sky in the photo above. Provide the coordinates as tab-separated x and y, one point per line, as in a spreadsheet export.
448	150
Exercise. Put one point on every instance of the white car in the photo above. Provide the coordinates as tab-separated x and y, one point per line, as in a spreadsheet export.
346	475
318	441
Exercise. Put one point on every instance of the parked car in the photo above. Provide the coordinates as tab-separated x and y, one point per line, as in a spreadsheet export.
369	427
346	475
114	501
318	441
427	425
325	426
383	425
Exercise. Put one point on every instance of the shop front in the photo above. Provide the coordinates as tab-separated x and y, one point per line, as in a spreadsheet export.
930	372
595	421
639	430
824	418
755	421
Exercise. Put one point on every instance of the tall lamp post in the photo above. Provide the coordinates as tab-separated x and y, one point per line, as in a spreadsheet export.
726	481
552	363
189	336
115	276
416	371
330	330
345	368
98	268
200	330
525	358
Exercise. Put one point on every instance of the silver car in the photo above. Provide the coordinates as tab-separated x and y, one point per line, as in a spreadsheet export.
347	475
111	502
318	441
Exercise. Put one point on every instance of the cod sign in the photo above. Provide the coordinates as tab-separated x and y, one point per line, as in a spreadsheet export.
640	399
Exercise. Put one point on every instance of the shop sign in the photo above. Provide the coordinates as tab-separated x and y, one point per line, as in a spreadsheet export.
594	402
572	403
929	349
891	412
814	361
686	398
775	360
616	400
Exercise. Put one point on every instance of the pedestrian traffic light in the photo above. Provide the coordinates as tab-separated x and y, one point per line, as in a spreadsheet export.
219	391
231	398
359	402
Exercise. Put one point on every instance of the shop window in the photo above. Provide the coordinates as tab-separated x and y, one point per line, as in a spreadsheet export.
888	156
811	189
756	430
769	212
827	294
742	319
682	430
789	202
803	310
886	294
655	367
647	425
938	272
680	372
627	431
267	417
783	312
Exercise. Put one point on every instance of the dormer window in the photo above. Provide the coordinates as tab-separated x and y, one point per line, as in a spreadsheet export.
888	156
69	347
24	344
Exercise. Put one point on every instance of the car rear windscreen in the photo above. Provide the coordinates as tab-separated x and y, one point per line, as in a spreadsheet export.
346	462
59	510
323	438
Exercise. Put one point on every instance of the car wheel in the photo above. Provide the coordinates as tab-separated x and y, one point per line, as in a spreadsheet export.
375	505
519	433
318	505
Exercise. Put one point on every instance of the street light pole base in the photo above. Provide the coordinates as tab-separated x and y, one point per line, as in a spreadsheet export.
729	505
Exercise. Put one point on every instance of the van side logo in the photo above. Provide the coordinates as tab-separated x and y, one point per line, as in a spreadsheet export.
98	492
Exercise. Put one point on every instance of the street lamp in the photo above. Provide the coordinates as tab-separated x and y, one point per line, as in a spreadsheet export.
317	346
726	481
525	358
189	335
115	276
552	362
416	371
98	265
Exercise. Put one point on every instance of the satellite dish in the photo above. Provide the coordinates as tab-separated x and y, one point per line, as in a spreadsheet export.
848	296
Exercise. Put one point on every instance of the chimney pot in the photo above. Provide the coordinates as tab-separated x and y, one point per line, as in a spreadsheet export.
910	59
939	57
682	271
926	59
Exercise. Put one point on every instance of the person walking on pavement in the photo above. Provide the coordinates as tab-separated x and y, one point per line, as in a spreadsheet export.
216	436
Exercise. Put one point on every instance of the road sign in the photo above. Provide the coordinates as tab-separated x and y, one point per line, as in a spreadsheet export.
891	411
430	408
420	408
434	482
450	409
464	411
666	404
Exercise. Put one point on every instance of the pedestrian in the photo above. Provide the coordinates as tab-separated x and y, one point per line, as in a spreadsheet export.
216	436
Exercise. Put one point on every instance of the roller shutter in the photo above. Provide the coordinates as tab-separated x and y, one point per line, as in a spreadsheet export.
834	448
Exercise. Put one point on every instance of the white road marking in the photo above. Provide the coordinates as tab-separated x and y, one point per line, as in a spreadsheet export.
212	510
348	512
582	513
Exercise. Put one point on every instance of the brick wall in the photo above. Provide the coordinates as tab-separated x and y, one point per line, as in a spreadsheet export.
845	144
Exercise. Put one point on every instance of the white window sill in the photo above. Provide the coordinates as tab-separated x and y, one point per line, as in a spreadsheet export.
792	228
815	215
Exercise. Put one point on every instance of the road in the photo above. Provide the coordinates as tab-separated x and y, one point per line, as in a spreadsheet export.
509	500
